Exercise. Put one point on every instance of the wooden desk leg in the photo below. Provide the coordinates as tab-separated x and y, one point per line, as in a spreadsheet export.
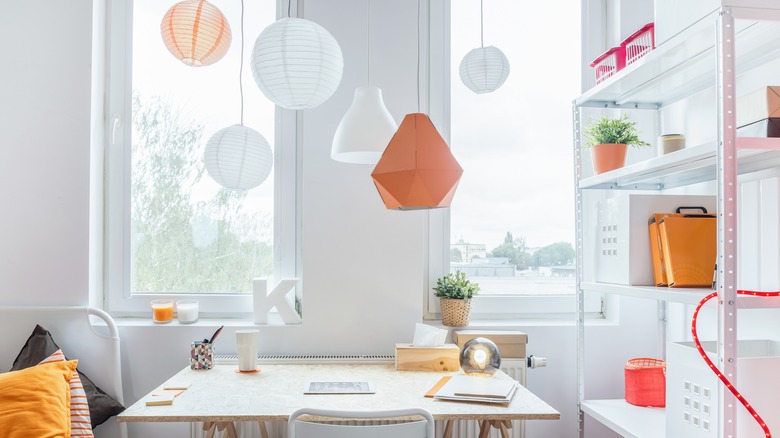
209	428
263	430
448	429
508	423
484	428
504	430
231	430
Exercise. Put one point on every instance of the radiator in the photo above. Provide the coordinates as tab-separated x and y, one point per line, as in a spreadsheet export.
515	368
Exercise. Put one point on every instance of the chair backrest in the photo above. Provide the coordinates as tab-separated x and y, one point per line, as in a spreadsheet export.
409	429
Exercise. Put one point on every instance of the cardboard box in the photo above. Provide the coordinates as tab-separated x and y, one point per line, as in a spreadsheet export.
761	128
622	241
761	104
689	244
692	389
511	344
410	358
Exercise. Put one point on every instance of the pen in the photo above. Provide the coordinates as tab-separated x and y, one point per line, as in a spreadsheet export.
216	333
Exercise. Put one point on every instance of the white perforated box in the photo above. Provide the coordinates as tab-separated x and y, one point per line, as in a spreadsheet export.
622	242
692	389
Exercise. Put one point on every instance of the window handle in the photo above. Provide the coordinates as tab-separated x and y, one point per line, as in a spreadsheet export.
114	128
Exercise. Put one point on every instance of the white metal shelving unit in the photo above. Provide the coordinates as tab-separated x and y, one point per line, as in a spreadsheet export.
738	37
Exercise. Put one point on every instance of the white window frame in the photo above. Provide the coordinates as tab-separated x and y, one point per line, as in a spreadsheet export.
436	83
118	299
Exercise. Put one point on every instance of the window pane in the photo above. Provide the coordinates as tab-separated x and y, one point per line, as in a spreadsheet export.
188	234
512	219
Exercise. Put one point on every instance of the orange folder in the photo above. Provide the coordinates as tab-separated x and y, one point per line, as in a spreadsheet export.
689	248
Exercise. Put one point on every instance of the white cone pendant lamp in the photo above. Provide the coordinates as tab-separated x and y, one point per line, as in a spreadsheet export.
484	69
237	157
365	130
367	127
296	63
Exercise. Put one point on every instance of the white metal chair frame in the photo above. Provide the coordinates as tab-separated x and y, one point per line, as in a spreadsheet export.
325	430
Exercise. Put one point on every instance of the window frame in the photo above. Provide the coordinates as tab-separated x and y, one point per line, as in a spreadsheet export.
118	299
437	29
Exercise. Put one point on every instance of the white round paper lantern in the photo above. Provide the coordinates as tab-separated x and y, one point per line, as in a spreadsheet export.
484	69
238	158
196	32
296	63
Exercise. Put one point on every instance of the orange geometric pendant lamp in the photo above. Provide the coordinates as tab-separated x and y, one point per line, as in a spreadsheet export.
417	170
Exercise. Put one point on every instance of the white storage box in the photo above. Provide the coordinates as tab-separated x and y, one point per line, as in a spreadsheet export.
692	389
622	242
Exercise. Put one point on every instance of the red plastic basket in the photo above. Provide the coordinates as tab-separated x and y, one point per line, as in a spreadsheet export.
646	382
639	43
609	63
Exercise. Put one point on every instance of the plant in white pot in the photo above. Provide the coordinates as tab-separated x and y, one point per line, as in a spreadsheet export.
608	139
455	292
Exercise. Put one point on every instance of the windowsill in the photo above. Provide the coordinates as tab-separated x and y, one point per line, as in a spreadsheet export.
274	320
521	323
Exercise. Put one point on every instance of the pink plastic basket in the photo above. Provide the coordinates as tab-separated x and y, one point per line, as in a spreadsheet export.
639	43
609	63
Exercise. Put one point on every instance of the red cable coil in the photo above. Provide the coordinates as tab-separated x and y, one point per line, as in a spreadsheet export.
715	369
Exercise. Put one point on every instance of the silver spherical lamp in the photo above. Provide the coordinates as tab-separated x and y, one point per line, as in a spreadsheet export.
296	63
480	356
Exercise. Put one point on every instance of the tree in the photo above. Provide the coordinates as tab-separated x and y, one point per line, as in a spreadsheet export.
557	254
515	250
178	246
455	255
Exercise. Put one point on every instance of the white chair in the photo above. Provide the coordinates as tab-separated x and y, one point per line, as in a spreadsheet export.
411	429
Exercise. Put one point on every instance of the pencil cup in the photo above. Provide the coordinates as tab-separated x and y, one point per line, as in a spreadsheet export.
246	346
202	356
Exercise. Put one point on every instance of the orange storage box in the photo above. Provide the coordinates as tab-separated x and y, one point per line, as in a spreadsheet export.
646	382
656	246
689	248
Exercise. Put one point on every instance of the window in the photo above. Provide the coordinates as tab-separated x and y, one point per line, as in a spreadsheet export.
171	230
511	224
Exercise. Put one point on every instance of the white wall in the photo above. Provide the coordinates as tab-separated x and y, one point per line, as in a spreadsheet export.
363	266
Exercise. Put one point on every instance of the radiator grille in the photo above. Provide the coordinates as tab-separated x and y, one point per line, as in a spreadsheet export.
515	368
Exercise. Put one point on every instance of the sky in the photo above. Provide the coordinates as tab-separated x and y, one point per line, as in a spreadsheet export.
514	144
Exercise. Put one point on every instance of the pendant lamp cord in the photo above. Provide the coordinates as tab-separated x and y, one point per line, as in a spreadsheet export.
241	67
481	27
368	44
289	5
419	7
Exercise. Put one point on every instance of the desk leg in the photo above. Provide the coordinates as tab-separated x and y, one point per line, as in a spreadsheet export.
484	428
209	428
231	430
501	425
227	426
448	429
263	430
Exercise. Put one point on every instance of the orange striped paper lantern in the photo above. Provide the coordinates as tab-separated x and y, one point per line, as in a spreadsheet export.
196	32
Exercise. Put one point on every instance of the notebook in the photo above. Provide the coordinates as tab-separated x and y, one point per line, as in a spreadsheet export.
479	389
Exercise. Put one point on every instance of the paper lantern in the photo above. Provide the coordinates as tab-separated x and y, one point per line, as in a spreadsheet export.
238	158
480	356
296	63
484	69
417	169
365	130
196	32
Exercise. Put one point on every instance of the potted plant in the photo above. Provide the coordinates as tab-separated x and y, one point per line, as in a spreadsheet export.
455	291
608	139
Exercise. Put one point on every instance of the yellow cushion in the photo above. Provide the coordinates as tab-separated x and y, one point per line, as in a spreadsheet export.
35	402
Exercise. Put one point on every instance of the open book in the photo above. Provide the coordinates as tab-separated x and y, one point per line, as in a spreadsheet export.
479	389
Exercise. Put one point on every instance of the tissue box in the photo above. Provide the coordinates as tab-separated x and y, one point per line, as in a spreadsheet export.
761	104
692	388
622	241
411	358
511	344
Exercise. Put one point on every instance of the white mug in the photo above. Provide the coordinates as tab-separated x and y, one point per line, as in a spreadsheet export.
246	347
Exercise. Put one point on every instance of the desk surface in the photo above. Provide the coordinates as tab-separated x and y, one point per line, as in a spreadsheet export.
221	394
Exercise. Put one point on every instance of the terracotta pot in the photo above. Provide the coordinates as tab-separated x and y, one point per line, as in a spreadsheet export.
608	156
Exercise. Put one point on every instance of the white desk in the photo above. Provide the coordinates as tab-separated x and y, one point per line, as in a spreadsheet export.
222	396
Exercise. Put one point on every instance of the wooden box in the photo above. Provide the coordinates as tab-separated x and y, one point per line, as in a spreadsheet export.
410	358
511	344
